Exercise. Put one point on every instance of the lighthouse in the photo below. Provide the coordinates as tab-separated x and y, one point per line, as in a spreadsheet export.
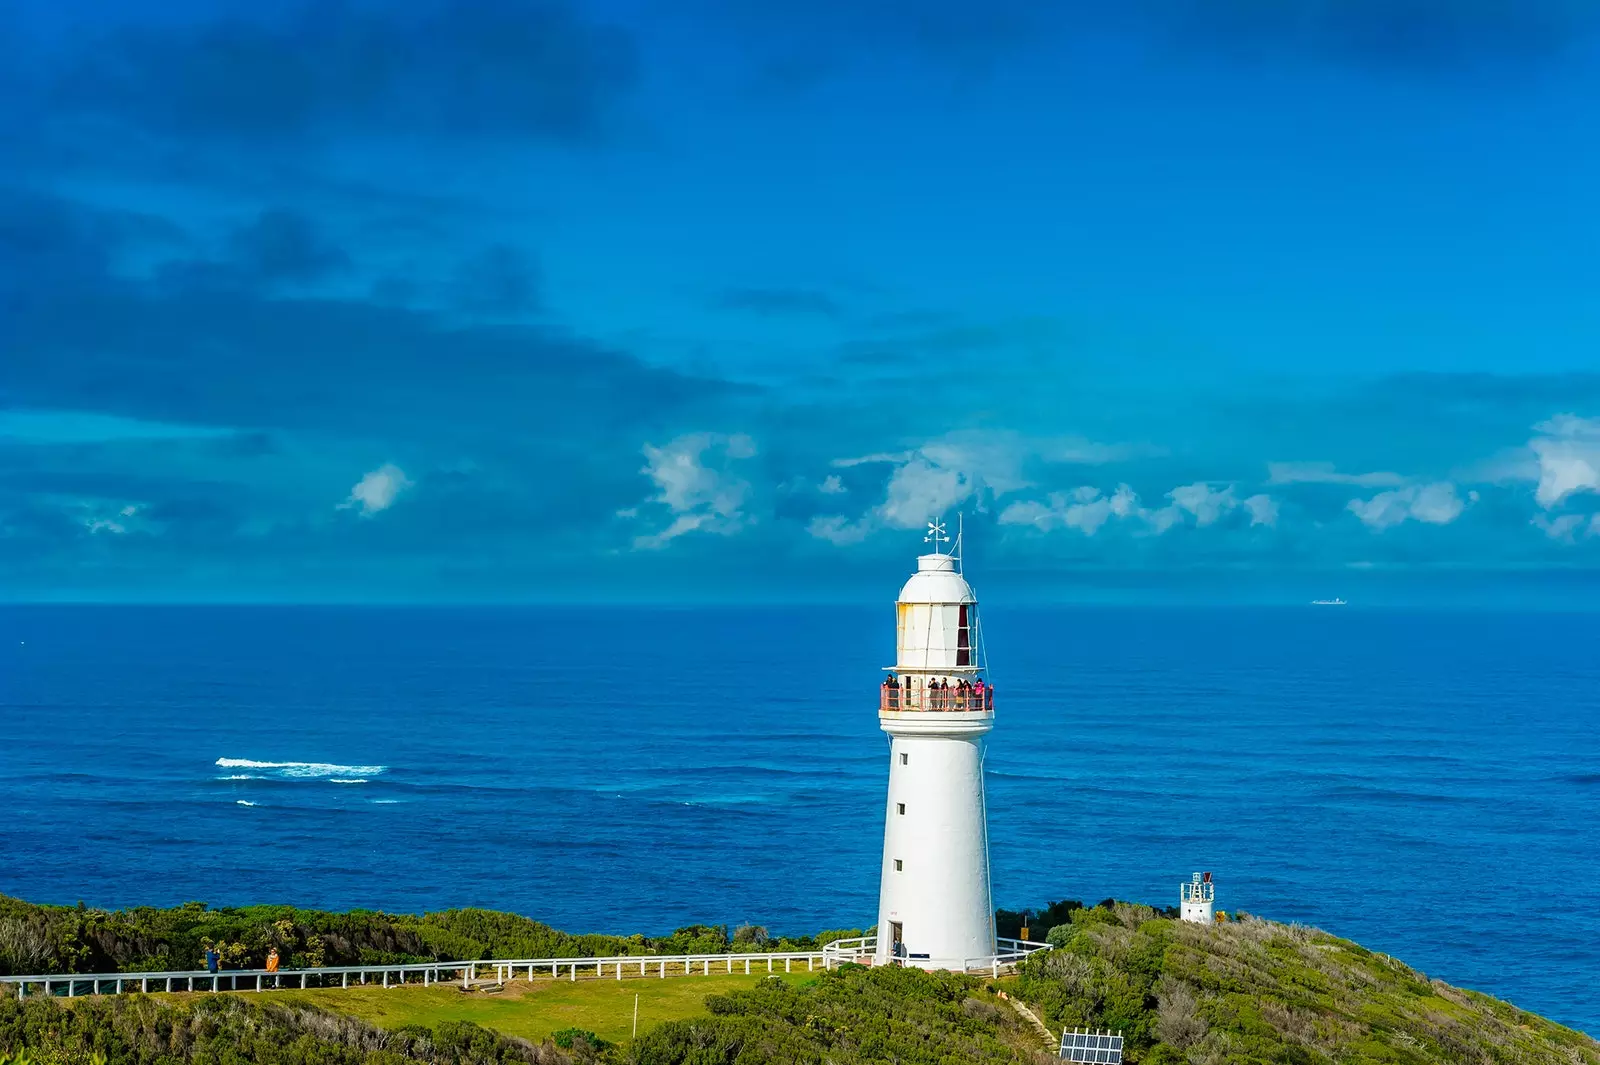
934	905
1197	898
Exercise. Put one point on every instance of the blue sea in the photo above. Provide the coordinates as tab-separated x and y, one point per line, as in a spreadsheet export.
1425	783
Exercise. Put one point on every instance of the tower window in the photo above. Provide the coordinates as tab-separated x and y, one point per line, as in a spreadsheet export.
905	759
898	865
900	808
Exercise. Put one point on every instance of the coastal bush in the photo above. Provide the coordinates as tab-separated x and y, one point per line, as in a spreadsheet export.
79	939
227	1029
1256	991
846	1017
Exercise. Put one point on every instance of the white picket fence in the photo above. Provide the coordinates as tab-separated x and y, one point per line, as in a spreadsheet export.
425	973
467	973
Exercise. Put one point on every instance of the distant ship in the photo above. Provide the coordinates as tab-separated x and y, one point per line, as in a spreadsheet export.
1328	602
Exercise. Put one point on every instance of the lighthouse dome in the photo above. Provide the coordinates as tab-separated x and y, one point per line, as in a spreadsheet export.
937	581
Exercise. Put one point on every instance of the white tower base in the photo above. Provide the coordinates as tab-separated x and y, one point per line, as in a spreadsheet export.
1197	912
934	908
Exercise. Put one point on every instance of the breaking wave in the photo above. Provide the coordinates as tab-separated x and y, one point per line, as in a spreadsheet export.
245	802
303	770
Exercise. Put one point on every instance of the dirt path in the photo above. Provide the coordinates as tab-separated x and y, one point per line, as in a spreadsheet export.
1050	1041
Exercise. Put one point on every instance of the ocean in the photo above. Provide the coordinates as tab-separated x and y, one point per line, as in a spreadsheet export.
1427	784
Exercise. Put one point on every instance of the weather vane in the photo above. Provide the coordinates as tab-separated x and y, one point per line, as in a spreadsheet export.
936	534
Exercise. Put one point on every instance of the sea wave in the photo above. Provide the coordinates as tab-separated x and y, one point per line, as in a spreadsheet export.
245	802
304	770
341	780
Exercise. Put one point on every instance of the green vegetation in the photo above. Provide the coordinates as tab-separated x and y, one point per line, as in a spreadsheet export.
845	1017
1239	992
229	1029
1250	991
77	939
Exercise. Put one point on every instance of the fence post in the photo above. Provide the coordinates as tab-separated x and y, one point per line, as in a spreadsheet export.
344	981
386	978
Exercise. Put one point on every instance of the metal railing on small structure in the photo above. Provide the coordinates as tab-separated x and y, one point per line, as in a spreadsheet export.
466	973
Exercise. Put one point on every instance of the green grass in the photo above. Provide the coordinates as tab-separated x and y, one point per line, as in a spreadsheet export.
533	1011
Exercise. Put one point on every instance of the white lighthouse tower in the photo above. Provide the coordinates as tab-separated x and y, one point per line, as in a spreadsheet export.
934	907
1196	899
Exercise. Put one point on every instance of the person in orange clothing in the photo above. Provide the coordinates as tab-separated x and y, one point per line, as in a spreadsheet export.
272	960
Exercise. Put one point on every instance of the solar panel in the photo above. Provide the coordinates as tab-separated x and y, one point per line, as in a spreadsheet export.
1091	1047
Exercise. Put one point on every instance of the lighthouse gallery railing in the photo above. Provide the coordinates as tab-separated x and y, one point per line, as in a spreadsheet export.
893	699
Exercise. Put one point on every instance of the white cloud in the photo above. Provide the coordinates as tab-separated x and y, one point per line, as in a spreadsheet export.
377	490
1324	473
115	525
695	483
935	479
838	530
1263	510
875	457
1086	509
1436	504
1568	454
1207	504
1568	527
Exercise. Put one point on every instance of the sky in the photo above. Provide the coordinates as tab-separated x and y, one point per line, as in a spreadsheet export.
627	300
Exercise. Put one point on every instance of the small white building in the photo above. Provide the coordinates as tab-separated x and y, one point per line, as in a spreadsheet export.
934	905
1197	898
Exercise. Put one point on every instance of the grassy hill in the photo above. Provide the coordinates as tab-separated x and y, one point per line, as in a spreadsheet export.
1258	991
1241	992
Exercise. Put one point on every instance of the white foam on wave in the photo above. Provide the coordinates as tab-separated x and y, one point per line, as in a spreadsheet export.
304	770
384	802
240	776
245	802
336	780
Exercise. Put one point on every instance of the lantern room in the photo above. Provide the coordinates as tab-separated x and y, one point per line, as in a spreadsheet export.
936	620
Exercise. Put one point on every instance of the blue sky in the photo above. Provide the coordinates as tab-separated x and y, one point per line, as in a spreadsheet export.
722	299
